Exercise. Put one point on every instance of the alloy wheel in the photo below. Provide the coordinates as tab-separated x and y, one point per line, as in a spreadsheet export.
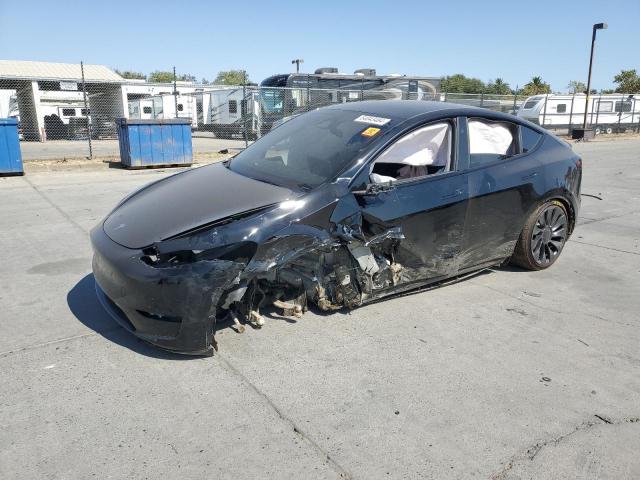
549	235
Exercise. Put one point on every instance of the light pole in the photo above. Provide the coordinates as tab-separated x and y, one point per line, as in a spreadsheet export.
297	61
596	27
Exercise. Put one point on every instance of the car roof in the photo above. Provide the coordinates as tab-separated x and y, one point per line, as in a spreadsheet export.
399	109
405	109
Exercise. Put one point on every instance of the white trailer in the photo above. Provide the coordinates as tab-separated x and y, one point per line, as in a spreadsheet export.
606	113
226	111
164	106
8	104
66	105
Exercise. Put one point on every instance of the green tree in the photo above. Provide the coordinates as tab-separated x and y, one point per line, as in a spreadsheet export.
576	86
131	75
231	77
459	83
536	87
498	87
628	81
161	77
167	77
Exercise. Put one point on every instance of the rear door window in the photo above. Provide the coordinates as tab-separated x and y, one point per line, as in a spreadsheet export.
490	141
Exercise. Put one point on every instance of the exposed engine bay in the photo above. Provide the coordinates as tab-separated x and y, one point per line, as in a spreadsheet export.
332	276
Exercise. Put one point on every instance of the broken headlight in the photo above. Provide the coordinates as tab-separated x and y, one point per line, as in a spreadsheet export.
240	252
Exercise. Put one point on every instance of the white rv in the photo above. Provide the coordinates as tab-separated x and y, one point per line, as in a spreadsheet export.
226	111
164	106
606	113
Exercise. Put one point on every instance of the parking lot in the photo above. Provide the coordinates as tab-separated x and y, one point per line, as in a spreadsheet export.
508	374
203	143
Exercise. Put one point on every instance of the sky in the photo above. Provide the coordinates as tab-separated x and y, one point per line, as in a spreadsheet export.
512	40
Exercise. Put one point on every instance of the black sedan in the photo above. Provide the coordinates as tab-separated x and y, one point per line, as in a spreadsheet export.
335	208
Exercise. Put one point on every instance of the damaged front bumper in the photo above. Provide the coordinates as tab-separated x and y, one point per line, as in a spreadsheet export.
172	307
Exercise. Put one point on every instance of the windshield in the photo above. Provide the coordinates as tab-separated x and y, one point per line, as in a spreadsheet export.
272	100
309	150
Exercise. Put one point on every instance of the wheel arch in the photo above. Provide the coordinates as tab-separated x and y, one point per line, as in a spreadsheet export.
558	196
570	211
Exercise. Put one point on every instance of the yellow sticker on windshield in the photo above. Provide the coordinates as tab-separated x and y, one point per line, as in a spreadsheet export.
370	132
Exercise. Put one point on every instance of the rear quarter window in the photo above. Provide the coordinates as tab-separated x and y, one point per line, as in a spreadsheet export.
529	138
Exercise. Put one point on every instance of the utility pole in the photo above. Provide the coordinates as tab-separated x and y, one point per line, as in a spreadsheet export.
87	111
596	27
243	108
175	93
297	61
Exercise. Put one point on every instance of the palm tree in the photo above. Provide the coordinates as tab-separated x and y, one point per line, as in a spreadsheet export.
499	87
536	87
576	86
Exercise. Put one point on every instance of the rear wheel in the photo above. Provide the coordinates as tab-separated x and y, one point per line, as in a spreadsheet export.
542	237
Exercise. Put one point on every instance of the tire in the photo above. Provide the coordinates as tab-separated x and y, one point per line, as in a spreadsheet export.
608	130
543	237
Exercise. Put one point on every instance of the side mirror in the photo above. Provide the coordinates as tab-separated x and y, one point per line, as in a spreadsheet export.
373	189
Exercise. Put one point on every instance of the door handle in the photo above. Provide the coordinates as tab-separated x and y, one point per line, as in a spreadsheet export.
530	176
456	193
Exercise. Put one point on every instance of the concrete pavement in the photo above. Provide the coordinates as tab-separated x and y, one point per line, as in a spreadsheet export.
509	374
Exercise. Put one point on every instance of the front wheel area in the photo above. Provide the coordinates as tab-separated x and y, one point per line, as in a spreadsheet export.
543	237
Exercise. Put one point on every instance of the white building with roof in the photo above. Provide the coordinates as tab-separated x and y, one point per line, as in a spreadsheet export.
39	91
37	83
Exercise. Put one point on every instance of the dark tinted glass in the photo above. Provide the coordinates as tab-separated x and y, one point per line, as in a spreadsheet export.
623	106
308	150
531	103
562	107
530	138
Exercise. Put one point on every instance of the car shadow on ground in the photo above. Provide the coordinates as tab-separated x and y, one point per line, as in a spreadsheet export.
84	304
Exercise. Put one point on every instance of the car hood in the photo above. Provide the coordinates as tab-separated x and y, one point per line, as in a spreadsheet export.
187	201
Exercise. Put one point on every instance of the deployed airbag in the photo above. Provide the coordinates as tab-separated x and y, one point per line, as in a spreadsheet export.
425	146
489	137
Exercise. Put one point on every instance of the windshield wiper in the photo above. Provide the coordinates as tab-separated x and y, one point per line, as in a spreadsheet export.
305	187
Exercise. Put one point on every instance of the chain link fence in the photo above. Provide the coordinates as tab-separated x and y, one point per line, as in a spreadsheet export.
67	119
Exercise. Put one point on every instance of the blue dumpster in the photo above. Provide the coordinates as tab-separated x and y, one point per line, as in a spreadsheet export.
155	143
10	157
